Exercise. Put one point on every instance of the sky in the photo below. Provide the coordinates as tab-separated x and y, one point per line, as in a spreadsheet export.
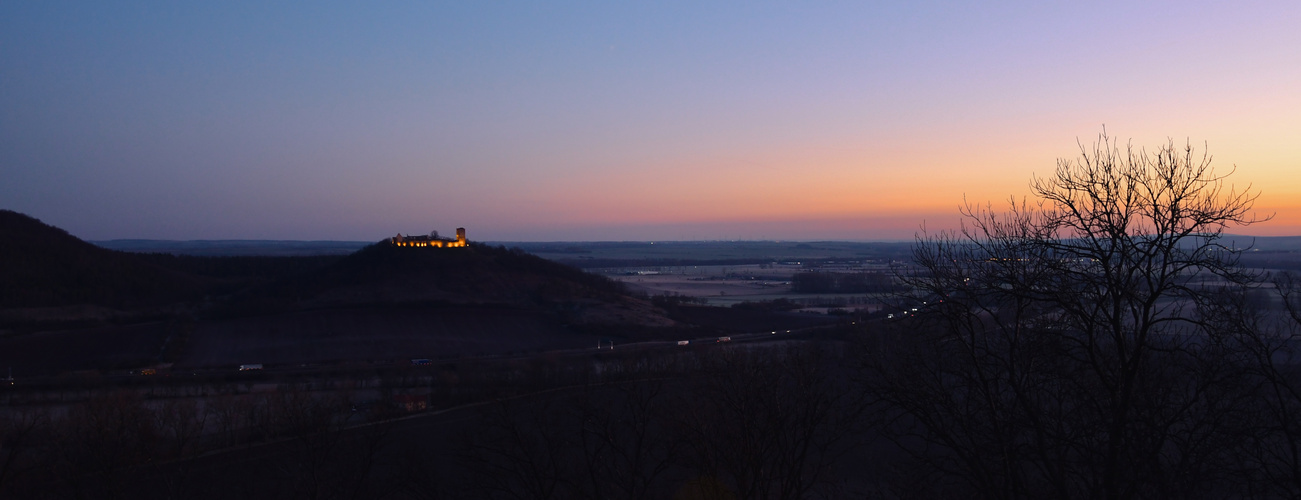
549	121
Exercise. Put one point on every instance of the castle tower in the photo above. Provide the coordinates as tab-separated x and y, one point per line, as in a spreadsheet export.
460	236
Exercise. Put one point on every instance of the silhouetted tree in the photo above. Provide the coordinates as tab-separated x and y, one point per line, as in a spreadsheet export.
522	449
769	422
1066	347
181	422
20	445
1268	341
99	440
626	447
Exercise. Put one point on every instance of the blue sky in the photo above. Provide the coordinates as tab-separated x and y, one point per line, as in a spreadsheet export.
597	121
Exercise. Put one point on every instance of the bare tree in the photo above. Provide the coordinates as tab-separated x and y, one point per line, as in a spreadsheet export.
769	423
1269	343
521	449
182	422
100	440
1065	348
20	435
233	416
625	449
318	455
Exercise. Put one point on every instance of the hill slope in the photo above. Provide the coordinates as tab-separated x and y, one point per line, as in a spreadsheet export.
44	266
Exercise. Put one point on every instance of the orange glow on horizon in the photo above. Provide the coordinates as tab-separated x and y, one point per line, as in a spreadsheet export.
908	182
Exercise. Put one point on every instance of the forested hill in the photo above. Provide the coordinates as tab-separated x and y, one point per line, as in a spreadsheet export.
478	274
42	265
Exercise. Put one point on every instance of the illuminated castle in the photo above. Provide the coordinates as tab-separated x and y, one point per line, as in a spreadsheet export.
432	240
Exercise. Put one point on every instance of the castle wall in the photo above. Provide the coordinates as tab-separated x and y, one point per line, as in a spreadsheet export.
427	242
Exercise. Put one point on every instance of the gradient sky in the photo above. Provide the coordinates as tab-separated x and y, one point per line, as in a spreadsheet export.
615	120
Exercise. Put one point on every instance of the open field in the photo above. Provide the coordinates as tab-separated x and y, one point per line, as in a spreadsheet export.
607	254
720	285
726	285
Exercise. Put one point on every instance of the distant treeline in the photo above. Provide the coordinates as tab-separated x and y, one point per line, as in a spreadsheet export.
1284	260
819	282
